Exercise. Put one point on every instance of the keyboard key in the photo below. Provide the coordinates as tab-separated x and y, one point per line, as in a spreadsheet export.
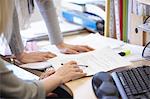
134	80
129	81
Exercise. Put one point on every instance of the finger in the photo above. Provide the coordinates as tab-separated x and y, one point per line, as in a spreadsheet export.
47	54
82	49
50	72
69	51
90	48
51	54
71	63
78	70
75	66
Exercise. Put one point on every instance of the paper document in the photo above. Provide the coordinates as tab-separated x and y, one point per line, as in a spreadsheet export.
99	60
37	65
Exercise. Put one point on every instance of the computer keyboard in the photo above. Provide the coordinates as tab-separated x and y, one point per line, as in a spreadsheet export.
133	83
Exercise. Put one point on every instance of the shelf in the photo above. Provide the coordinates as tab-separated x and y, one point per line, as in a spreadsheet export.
146	2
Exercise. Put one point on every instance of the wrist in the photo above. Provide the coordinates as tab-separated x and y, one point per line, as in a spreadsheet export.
19	56
58	78
51	82
60	45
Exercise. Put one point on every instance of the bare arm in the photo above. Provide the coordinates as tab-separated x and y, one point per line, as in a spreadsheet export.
69	71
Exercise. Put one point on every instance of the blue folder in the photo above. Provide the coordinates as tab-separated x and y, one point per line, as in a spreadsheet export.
86	20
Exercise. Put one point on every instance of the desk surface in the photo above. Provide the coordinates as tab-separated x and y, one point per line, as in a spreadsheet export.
81	88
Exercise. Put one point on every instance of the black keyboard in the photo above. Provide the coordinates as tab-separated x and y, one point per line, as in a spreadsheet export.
133	83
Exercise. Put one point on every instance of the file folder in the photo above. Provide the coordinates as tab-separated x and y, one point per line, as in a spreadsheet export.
89	21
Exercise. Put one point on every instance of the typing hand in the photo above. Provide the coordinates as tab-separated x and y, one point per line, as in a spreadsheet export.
73	49
32	57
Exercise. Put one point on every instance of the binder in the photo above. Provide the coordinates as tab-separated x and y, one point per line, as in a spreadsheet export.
125	19
117	19
107	8
89	21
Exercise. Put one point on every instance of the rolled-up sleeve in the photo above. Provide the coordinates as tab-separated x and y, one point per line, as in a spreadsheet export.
13	87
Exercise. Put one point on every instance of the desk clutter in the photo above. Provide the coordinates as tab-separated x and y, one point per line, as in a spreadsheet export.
87	13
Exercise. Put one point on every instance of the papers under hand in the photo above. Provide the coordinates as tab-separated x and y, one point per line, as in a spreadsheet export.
37	65
99	60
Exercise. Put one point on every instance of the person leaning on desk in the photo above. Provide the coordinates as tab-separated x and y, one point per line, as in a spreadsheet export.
13	87
48	12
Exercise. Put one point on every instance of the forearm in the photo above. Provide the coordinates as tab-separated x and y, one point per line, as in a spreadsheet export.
15	43
50	83
48	11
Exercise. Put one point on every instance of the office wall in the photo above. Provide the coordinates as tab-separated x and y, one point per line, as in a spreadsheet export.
136	38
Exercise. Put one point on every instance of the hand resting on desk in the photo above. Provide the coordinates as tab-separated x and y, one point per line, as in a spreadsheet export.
32	57
73	49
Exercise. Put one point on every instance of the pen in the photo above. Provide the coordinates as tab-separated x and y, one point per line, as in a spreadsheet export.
78	65
83	65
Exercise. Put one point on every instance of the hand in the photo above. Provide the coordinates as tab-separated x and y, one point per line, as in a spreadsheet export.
69	71
47	73
34	57
73	49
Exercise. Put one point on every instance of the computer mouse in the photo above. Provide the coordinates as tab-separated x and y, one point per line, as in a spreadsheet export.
106	89
103	86
98	78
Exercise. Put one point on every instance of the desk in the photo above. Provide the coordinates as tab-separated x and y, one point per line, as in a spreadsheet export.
82	88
